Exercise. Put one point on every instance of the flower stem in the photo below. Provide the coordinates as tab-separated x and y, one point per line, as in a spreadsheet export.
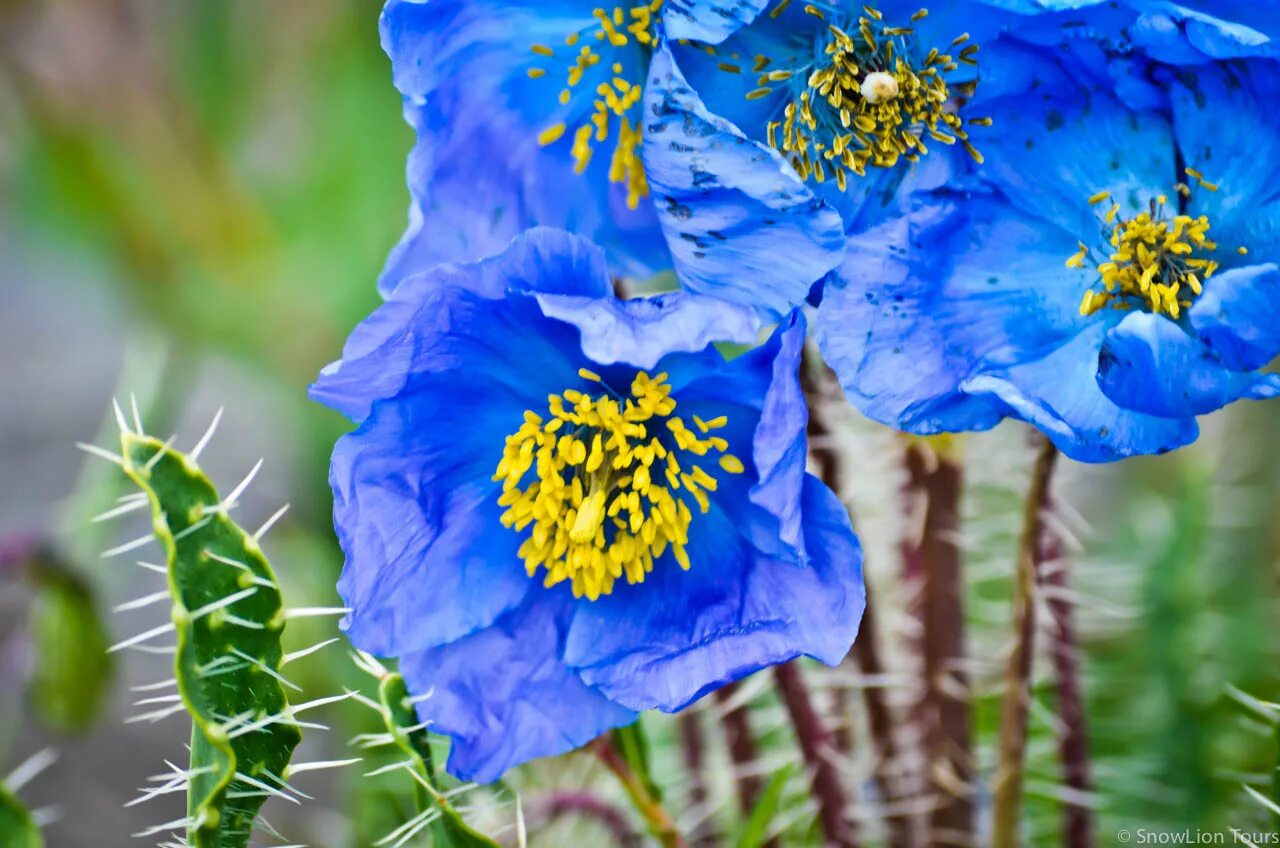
816	744
945	709
1073	745
655	815
589	806
1007	792
741	742
828	463
693	749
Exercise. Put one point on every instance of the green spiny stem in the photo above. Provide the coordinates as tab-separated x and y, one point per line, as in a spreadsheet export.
17	828
646	804
229	616
449	830
1007	790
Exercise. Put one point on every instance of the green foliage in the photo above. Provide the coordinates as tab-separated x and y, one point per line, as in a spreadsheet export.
228	614
72	670
17	829
435	812
756	830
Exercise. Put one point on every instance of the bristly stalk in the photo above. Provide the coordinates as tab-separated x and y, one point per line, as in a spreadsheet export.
659	821
1008	780
817	745
828	462
1073	745
589	806
735	721
945	707
693	750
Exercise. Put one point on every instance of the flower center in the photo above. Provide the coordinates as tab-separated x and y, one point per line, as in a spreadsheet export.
609	482
1158	258
869	97
617	99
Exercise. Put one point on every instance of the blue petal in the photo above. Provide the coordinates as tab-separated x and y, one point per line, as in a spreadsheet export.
941	294
477	174
642	330
1172	33
710	21
414	506
1228	128
761	395
1238	315
1058	148
1256	16
504	696
396	339
1059	394
675	637
740	224
1150	364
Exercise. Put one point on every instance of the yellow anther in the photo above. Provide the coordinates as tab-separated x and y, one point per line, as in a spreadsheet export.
551	134
1157	260
602	502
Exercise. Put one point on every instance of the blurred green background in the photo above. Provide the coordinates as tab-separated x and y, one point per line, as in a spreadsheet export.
195	199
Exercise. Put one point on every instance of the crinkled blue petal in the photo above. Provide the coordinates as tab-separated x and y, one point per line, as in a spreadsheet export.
1059	394
928	300
1258	16
761	395
1171	32
503	696
477	174
396	339
414	506
740	224
675	637
709	21
1152	365
1238	316
1058	148
1228	128
642	330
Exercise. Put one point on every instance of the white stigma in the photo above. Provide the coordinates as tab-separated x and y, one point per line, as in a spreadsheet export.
879	87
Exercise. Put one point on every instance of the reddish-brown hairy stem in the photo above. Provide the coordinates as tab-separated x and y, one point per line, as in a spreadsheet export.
1006	823
820	389
693	750
945	703
1073	744
817	745
589	806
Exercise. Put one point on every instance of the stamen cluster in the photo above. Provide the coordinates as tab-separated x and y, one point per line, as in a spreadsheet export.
616	97
603	500
870	101
1157	261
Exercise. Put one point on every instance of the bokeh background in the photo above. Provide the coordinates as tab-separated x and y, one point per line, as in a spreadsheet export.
195	199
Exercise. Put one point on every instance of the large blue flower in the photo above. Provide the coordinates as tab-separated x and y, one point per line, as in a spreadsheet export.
560	508
765	152
530	114
1113	278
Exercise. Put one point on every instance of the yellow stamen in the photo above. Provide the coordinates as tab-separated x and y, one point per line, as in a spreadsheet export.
608	490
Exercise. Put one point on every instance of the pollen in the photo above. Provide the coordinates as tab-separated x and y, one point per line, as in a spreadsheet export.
1158	260
870	98
615	107
604	484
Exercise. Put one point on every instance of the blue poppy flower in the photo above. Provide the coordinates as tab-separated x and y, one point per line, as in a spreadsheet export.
765	152
560	508
530	114
1114	277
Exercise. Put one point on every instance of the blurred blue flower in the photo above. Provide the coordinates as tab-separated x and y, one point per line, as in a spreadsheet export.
559	508
530	114
1113	278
